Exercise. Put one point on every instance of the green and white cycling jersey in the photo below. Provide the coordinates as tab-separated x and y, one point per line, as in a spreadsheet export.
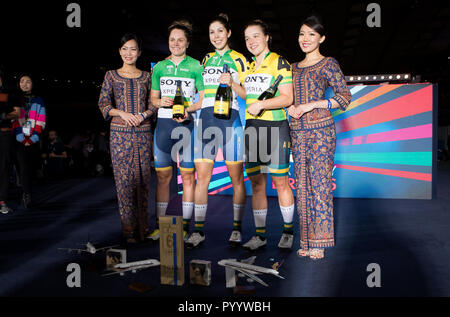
164	79
213	68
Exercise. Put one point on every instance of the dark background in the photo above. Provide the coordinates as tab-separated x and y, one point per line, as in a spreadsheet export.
68	64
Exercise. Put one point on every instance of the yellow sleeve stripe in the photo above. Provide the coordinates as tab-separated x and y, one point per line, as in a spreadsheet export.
207	57
210	91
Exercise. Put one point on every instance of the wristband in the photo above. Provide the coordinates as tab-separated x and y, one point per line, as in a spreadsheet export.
142	115
329	104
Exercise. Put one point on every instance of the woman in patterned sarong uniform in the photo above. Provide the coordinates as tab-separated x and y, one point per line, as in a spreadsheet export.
125	97
313	138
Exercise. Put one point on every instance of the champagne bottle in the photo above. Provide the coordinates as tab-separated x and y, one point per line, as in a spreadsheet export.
222	104
178	103
270	92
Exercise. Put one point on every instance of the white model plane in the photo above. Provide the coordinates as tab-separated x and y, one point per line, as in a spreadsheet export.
133	266
90	248
249	270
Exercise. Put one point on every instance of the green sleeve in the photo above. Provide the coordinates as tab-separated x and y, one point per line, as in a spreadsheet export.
199	78
156	76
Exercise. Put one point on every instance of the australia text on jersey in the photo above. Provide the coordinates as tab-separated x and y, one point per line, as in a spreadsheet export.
257	84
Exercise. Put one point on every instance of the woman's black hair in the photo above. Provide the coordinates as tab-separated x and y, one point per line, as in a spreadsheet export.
25	74
263	25
315	23
183	25
130	36
222	18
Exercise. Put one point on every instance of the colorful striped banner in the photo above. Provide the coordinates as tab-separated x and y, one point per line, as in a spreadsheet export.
405	158
392	110
411	175
418	132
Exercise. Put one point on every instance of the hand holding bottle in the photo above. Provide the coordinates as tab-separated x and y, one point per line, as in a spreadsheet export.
267	94
226	79
180	120
255	108
165	102
222	103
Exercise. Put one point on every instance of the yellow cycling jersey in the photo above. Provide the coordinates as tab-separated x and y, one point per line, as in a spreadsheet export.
212	69
256	81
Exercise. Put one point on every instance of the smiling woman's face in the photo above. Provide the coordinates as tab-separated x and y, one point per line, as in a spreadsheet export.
26	84
178	42
129	52
308	39
218	35
256	40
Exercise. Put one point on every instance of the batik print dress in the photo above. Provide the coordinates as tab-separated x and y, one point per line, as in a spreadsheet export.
131	148
313	139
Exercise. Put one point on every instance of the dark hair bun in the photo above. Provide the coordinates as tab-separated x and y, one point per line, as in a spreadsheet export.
224	16
131	36
315	23
183	23
263	25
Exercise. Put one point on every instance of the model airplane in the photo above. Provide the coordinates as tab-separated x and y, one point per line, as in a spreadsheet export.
90	248
133	266
250	270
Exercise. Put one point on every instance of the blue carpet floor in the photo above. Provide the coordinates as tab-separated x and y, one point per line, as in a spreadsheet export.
409	239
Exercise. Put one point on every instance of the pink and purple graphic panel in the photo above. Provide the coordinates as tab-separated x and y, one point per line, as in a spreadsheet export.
384	145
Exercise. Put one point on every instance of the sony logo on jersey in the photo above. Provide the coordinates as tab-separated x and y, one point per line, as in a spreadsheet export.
257	79
174	82
212	71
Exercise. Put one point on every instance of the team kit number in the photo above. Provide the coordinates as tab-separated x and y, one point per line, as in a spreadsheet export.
282	63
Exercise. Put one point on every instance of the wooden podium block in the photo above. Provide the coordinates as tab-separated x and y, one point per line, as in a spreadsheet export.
171	248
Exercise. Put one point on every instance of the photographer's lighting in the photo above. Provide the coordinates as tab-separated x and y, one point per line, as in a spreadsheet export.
378	78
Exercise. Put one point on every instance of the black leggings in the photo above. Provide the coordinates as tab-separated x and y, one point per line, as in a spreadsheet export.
27	160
